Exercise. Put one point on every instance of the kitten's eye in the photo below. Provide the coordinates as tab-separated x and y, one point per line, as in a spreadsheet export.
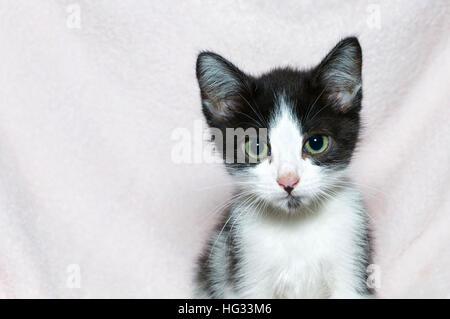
316	144
257	150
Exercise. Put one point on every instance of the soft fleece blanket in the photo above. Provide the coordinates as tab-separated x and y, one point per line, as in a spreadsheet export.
91	202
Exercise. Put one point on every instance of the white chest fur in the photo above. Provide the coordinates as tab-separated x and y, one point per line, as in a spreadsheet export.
307	256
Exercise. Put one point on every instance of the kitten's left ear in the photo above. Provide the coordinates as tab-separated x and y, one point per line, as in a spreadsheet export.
340	75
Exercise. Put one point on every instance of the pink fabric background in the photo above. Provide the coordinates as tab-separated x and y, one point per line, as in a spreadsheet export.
86	117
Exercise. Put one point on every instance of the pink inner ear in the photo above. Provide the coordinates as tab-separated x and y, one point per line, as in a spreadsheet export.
223	107
219	109
344	98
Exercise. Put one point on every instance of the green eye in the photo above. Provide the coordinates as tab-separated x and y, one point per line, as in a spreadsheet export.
316	144
256	149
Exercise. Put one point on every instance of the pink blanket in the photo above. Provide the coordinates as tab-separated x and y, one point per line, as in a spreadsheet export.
91	201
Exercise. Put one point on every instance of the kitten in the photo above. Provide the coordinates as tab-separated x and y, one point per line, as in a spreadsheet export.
296	227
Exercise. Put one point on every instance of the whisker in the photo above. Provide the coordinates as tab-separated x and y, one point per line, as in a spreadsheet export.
314	103
258	114
221	231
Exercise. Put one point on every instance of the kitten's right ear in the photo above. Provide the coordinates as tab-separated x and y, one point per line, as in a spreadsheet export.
222	85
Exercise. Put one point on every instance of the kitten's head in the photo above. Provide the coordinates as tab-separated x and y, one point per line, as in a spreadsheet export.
306	123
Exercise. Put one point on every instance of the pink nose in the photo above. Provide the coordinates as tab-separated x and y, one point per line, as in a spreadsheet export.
288	181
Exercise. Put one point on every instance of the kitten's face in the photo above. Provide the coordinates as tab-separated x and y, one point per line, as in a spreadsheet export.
309	121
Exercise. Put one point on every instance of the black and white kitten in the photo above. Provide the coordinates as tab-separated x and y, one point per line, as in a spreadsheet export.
296	226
